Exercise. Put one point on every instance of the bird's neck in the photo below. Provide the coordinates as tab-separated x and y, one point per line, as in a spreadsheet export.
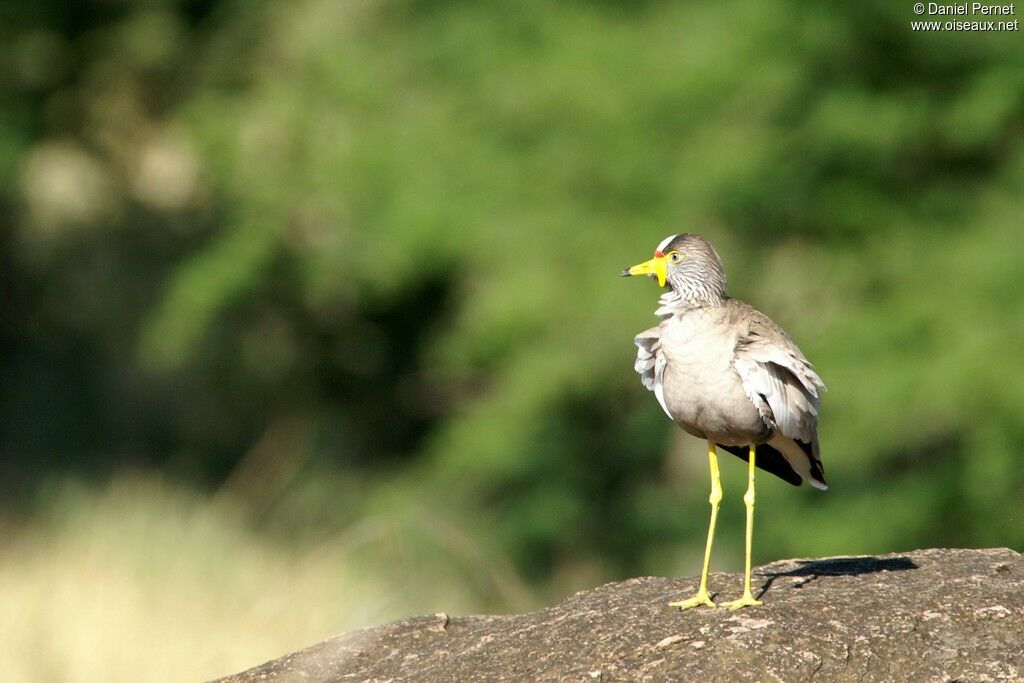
701	285
674	302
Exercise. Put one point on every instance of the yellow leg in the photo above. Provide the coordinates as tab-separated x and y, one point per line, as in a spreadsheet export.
703	597
748	500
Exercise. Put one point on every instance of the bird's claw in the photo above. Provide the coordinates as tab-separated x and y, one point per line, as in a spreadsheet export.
746	601
701	598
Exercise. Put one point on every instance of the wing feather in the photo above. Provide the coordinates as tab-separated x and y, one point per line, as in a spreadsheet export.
650	364
786	390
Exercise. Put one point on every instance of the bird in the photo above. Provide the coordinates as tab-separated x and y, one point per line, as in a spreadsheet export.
725	372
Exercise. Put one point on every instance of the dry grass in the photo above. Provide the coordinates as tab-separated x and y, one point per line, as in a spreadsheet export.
146	582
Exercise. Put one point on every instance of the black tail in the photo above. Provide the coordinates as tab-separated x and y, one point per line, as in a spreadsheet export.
769	460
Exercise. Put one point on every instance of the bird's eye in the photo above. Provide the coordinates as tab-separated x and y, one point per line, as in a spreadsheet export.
676	257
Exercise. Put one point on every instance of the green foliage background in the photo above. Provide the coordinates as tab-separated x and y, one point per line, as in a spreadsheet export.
345	261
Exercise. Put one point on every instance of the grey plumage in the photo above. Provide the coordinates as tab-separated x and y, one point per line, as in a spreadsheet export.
726	372
699	279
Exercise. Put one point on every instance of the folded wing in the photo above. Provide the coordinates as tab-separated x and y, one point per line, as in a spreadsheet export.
785	389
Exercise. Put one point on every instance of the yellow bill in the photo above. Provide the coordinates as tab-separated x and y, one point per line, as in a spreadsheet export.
657	266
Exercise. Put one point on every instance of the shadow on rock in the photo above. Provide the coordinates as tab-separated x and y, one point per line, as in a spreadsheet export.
839	566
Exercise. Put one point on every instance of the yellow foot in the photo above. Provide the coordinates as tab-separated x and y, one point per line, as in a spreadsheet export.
746	601
701	598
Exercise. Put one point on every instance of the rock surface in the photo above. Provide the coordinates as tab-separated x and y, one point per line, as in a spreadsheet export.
928	615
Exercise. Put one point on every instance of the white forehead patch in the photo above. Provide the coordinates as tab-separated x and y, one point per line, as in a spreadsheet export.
665	242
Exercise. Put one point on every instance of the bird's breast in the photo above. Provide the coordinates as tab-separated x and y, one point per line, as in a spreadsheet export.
703	392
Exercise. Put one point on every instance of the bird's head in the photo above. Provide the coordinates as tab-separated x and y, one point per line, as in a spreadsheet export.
688	264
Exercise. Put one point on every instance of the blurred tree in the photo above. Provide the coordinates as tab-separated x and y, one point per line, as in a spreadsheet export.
398	225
